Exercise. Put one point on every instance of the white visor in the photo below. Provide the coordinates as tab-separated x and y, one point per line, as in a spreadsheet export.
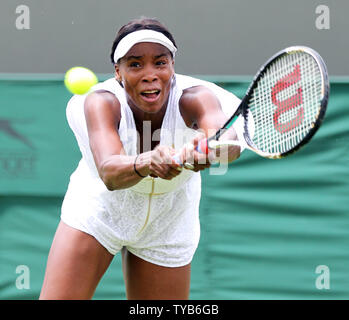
133	38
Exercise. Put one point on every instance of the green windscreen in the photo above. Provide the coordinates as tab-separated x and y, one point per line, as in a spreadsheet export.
270	229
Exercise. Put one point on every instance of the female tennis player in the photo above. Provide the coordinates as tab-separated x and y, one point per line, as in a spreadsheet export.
128	194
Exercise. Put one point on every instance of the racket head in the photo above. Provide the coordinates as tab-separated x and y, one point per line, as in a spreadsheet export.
285	104
287	100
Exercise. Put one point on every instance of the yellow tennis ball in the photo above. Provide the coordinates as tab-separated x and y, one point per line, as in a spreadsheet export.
79	80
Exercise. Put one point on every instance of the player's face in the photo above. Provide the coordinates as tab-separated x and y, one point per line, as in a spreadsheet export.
146	72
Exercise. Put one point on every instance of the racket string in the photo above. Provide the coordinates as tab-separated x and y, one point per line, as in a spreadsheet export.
263	109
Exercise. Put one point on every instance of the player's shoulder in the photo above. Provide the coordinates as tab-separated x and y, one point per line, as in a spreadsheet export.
194	100
102	96
108	90
102	101
192	95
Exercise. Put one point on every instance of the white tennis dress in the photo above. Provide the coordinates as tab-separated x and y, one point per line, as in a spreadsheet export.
157	220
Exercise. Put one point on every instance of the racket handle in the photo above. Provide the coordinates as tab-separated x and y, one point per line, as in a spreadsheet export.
217	144
202	147
177	159
186	165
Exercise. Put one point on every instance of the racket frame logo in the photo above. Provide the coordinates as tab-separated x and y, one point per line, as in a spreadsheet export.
325	90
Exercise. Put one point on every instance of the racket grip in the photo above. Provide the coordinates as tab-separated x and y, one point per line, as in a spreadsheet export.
177	159
202	147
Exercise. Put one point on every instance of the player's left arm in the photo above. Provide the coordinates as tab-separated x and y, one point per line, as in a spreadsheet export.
200	107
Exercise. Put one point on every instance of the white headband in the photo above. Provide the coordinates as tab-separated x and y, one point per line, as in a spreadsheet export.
135	37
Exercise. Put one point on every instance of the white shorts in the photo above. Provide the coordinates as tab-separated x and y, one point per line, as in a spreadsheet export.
168	237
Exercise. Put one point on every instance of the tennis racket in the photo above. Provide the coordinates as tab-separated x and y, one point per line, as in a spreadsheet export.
285	105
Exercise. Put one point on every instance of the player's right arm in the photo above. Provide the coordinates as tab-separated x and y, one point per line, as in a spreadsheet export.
115	168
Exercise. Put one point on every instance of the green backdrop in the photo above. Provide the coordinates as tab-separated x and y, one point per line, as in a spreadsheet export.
267	225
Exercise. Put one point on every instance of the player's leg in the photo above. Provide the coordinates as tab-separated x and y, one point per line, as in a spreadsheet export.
148	281
75	265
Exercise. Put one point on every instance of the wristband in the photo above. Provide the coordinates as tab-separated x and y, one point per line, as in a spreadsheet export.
134	167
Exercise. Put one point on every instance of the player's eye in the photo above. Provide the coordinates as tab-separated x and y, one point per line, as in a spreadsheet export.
134	64
161	62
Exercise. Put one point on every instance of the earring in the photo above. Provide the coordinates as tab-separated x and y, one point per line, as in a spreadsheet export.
121	83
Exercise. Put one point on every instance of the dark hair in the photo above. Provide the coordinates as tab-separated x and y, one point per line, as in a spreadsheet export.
143	23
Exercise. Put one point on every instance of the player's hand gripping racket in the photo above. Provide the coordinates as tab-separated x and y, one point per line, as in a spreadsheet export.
286	103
